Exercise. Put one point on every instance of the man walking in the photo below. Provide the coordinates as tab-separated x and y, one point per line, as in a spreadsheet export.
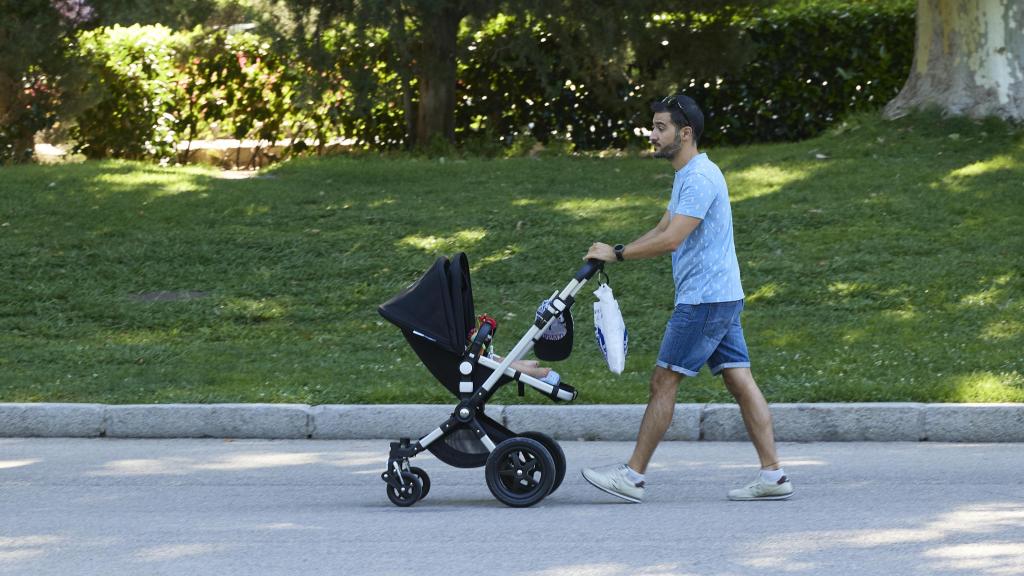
705	326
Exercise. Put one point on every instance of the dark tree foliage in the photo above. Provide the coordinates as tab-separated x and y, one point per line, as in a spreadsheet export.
34	47
593	39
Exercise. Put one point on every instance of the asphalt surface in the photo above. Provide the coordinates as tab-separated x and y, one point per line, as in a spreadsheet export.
269	507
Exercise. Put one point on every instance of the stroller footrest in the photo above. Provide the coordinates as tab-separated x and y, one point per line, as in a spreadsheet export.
563	392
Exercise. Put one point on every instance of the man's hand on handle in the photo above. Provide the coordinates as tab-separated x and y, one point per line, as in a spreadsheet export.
601	251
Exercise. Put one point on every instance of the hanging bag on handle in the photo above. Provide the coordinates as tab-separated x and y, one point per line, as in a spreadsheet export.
610	330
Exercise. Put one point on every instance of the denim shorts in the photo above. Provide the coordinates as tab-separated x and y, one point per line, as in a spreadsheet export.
704	333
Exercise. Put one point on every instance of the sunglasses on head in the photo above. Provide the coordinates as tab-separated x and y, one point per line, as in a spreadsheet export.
674	101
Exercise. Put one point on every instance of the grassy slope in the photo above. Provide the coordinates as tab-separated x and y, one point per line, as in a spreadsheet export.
890	270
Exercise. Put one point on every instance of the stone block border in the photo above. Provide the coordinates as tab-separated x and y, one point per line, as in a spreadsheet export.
827	422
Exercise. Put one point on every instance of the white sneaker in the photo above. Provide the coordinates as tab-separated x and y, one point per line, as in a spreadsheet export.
613	480
761	490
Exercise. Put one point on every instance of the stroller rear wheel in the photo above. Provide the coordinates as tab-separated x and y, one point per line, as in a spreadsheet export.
520	472
410	491
556	454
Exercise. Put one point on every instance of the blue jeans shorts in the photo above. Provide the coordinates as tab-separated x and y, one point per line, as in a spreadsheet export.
704	333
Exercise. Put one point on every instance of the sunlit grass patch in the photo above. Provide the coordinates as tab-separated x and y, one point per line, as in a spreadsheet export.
587	207
1001	162
250	310
765	292
461	240
501	255
1004	330
998	291
157	183
988	386
763	179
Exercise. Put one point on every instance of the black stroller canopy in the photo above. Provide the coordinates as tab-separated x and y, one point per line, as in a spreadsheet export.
438	306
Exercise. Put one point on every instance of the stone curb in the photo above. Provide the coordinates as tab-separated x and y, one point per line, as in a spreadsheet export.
826	422
207	421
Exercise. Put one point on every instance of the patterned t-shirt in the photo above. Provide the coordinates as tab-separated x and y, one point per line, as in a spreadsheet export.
704	265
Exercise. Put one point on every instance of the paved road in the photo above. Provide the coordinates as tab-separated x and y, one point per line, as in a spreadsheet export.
257	507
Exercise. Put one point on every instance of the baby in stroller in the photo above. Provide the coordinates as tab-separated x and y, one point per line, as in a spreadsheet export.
437	318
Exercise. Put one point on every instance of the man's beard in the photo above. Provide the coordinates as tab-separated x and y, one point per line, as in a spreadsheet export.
670	151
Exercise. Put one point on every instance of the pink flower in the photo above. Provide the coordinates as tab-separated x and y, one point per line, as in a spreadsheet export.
73	12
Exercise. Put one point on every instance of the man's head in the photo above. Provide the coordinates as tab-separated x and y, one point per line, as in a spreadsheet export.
678	123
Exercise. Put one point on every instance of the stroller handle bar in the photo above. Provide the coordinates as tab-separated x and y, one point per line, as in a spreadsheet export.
588	270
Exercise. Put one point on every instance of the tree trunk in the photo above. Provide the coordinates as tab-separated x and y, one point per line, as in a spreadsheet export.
439	35
403	65
969	59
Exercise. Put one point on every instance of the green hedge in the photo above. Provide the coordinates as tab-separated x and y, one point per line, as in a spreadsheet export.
808	66
158	87
811	68
135	74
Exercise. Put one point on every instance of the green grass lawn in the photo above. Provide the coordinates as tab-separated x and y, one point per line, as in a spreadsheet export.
882	262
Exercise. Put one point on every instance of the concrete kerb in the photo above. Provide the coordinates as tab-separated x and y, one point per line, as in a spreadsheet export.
826	422
51	420
207	421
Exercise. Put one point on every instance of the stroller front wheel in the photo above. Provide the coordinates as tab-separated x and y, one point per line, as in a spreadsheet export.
520	472
424	479
410	491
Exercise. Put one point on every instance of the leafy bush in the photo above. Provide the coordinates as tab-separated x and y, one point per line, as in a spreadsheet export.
234	85
135	73
357	95
805	67
515	84
811	67
787	75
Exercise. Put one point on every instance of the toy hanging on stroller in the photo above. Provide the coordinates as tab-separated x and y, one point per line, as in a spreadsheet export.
437	318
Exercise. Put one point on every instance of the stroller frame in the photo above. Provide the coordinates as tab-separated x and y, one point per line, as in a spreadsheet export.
407	484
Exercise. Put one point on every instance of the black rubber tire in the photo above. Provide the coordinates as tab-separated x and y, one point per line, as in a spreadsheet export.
520	472
424	480
557	454
409	495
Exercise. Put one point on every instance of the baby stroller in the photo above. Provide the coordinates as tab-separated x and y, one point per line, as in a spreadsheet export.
437	318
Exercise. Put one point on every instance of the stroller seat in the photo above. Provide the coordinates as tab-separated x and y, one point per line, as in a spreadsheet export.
437	318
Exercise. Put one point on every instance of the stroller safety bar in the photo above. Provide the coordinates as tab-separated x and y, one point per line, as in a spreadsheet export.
558	392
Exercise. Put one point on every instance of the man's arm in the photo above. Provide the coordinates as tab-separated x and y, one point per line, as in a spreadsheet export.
654	243
658	228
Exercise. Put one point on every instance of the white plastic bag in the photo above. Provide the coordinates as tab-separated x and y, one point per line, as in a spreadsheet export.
610	330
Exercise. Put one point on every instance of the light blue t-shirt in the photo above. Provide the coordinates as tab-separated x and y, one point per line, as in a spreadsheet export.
704	265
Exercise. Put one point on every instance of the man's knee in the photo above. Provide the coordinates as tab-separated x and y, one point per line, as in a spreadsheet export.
664	381
739	381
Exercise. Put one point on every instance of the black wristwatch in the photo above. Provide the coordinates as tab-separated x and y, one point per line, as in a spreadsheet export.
618	252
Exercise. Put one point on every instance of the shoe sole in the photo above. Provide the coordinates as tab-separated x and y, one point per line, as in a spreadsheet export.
607	491
756	498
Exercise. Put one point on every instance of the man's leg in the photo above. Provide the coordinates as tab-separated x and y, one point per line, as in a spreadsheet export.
627	482
756	416
772	482
657	417
677	350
